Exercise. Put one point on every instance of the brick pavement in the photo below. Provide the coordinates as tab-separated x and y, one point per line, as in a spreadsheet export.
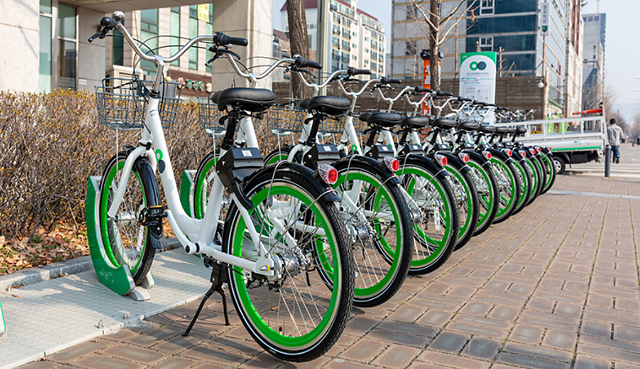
555	286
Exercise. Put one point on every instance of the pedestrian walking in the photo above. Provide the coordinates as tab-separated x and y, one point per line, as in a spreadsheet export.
614	132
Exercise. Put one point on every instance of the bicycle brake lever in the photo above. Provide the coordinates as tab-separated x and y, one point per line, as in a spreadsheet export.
95	35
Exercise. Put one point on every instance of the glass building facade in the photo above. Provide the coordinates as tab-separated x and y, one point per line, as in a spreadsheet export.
512	27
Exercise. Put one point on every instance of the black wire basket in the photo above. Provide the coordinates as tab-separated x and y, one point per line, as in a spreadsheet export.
122	103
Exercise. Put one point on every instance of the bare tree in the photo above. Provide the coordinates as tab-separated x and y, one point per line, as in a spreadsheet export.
439	26
299	39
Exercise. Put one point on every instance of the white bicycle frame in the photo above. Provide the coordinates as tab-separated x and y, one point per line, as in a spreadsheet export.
195	235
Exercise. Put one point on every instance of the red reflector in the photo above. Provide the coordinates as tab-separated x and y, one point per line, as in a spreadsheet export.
486	154
523	153
538	149
464	157
507	152
441	159
549	148
328	173
392	163
532	151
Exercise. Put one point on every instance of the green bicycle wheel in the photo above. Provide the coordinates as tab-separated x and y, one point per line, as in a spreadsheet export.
295	315
125	239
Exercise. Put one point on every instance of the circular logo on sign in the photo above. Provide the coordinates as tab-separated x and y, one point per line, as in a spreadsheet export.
473	66
482	65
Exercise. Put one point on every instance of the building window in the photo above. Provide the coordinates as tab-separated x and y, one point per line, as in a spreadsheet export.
117	48
486	7
486	43
68	47
412	11
366	50
46	19
209	53
193	32
354	57
335	42
175	32
410	48
149	35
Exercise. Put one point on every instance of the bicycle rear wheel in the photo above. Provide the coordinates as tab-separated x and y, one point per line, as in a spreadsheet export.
436	223
126	240
380	229
508	185
296	315
487	189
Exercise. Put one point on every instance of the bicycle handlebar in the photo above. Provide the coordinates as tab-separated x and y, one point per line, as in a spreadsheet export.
354	72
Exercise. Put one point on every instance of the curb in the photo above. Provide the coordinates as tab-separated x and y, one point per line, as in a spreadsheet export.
56	270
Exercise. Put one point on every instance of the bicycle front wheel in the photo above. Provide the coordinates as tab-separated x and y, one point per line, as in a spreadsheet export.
125	239
547	164
296	315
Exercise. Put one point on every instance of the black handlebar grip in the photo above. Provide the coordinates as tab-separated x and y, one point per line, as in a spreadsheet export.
385	80
108	22
354	72
422	89
222	39
304	63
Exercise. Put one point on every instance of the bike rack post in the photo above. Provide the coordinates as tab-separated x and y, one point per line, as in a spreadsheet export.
607	161
116	278
3	326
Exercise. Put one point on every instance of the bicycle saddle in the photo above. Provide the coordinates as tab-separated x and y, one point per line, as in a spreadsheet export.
248	99
387	120
364	117
467	126
214	97
444	123
415	122
328	105
502	130
487	129
520	130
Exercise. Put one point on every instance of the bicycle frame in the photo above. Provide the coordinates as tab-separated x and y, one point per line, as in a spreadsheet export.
195	235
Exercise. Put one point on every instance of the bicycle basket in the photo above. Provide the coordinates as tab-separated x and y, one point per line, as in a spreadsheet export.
122	103
209	115
286	116
337	126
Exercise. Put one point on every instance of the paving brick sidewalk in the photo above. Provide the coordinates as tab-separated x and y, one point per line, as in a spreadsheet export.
555	286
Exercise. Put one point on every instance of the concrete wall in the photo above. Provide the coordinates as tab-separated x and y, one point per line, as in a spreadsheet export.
91	56
20	45
253	20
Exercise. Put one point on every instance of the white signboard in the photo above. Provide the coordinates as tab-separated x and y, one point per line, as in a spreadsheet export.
478	79
544	18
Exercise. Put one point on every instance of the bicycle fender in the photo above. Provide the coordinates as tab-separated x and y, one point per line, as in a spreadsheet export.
371	163
426	162
478	158
500	154
143	167
454	161
329	193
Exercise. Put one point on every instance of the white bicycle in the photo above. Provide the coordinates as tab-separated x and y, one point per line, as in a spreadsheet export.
281	226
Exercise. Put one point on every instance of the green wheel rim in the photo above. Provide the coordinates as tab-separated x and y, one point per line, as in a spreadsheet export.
523	185
466	225
336	278
104	204
445	215
535	179
509	202
550	174
199	195
485	198
381	193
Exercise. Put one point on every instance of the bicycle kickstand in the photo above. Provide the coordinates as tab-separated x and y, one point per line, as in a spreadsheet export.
218	277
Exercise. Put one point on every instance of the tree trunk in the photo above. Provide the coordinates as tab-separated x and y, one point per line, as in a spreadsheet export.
434	6
299	39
